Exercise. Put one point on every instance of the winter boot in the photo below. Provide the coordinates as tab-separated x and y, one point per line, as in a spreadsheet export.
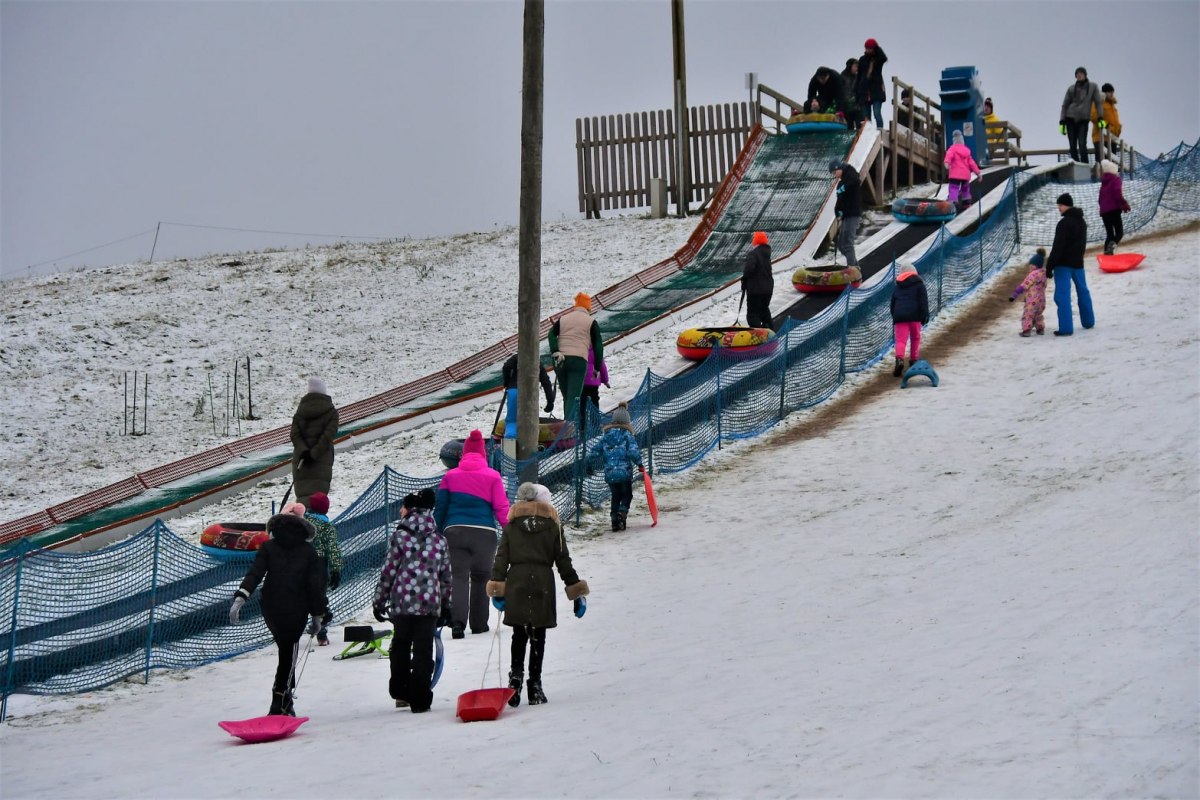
536	695
276	704
401	704
622	516
1109	247
514	682
616	523
1025	334
899	368
458	630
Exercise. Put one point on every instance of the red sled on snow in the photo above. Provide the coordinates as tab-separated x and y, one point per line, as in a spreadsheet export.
651	503
1119	263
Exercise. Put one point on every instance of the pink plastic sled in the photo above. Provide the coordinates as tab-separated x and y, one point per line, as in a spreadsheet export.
263	729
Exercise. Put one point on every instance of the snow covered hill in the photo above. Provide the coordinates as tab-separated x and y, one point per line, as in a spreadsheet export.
990	588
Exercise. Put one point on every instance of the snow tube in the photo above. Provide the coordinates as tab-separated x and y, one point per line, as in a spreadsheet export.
807	123
1120	263
696	343
233	541
826	279
916	210
549	430
451	453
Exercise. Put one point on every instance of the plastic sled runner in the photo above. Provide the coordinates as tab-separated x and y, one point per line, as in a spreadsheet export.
1120	263
363	639
263	729
482	704
651	503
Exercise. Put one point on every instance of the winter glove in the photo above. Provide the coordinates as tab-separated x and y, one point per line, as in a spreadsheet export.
580	607
559	358
235	611
380	613
305	455
326	618
549	406
498	602
1125	208
444	620
335	580
1011	299
609	385
1102	124
1062	127
314	625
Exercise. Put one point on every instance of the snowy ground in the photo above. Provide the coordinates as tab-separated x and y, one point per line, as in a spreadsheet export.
988	589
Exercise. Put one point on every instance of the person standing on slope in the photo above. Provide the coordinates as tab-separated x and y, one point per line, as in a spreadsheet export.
848	208
960	166
1065	266
570	337
1034	289
619	452
758	283
910	310
1077	105
470	501
314	427
1112	206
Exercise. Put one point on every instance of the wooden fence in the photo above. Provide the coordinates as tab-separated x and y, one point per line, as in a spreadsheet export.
617	155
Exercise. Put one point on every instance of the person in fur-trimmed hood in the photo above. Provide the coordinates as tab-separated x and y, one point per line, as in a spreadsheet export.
522	584
314	427
618	450
414	591
293	579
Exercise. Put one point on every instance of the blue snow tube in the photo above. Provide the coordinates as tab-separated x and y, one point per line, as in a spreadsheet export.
439	656
921	211
807	123
222	554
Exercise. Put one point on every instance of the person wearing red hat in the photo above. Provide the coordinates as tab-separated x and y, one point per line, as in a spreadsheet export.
870	93
570	337
470	502
758	282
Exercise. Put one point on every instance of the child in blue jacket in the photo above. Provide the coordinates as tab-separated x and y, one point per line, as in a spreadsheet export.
620	452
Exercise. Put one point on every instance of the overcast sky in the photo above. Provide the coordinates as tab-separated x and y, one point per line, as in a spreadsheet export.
403	118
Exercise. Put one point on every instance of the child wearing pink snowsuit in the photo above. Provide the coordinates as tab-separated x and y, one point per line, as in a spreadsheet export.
960	165
1034	287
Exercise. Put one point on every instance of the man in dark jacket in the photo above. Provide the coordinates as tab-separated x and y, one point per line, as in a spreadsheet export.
825	91
758	283
1065	265
1082	96
848	208
293	579
314	427
870	94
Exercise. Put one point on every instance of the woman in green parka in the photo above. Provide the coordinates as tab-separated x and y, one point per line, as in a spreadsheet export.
314	427
523	584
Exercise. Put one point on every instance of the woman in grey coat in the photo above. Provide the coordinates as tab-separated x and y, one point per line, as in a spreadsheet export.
314	427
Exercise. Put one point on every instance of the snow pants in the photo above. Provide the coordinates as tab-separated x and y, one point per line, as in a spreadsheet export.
905	330
570	378
960	193
523	635
286	634
510	415
758	311
845	240
622	497
589	393
1063	278
411	660
472	553
1114	227
1033	317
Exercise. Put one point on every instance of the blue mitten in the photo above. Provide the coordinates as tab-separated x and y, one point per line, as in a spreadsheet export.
498	602
580	607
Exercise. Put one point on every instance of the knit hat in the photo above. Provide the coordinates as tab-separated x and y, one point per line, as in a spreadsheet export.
317	386
1038	260
527	492
424	499
988	102
1108	167
620	415
759	238
1079	70
1065	200
318	503
957	137
543	495
583	301
834	164
474	444
1108	87
295	509
871	44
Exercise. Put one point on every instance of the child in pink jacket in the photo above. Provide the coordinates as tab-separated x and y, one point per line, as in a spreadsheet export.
960	165
1034	287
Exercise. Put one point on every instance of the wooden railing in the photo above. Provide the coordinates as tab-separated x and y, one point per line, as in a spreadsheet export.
1004	143
618	155
1116	149
915	134
783	107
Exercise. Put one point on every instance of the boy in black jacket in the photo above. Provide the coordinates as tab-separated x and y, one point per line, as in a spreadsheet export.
293	580
910	310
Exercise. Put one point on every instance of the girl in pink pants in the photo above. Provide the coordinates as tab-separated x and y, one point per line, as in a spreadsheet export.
910	310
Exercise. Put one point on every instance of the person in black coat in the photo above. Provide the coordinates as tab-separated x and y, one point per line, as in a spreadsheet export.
293	579
758	283
314	429
870	93
910	310
826	91
510	380
1065	266
848	208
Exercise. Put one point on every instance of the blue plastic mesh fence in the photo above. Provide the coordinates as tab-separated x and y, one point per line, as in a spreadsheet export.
75	622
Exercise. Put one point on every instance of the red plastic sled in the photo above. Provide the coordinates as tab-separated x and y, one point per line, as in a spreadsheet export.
482	704
1122	262
263	729
651	503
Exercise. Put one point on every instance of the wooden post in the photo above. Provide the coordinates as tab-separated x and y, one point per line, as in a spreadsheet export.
681	123
529	235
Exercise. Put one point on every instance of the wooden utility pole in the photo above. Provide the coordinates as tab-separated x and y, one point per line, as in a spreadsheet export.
681	108
529	236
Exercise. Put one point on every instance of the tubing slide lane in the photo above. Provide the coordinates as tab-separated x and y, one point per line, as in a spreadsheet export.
778	183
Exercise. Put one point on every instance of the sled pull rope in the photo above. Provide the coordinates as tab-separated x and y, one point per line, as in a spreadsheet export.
297	662
499	656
